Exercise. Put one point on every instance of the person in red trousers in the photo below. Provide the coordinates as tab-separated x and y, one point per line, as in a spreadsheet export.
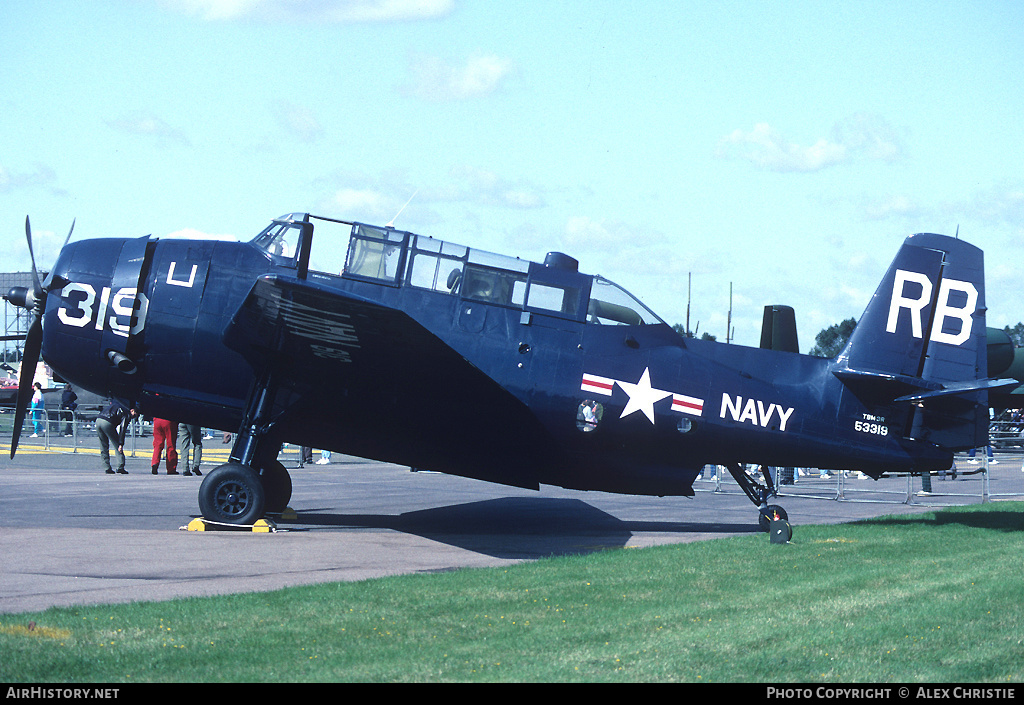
165	434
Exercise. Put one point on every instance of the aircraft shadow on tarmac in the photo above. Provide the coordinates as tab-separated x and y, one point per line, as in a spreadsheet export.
517	527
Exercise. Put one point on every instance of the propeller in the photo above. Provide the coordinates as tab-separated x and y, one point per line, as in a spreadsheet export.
34	300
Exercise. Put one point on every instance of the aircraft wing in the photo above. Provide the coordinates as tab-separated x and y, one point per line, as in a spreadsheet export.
322	330
352	368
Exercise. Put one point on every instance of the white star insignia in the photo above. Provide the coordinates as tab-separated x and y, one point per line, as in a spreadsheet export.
642	396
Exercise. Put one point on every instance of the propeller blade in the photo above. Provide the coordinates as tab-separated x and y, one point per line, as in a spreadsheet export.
29	360
32	255
49	277
35	301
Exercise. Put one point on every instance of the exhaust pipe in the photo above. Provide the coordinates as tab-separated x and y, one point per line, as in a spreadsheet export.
123	364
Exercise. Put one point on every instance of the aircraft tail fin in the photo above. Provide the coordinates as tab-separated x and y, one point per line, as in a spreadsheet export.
918	354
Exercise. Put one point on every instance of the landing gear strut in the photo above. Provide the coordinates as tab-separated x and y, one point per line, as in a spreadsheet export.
759	494
253	482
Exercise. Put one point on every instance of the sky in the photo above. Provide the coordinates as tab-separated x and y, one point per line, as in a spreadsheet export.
714	154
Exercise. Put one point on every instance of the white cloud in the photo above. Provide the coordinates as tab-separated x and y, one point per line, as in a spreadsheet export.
1003	203
483	186
435	79
860	135
334	11
43	176
299	121
148	125
893	206
363	204
585	233
766	148
375	199
870	135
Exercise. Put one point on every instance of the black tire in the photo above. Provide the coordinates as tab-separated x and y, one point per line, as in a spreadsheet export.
277	487
768	513
232	494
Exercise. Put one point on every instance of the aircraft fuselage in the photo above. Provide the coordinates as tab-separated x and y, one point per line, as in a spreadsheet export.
515	372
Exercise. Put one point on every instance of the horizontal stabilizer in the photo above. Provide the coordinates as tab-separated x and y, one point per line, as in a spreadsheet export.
883	384
957	388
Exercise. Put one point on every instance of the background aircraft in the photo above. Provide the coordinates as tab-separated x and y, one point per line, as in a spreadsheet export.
415	351
1006	360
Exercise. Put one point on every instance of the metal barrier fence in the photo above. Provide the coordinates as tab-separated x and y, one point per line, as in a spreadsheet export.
64	431
969	481
1006	435
49	424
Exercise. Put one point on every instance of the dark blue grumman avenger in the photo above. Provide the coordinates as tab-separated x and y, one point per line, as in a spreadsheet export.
415	351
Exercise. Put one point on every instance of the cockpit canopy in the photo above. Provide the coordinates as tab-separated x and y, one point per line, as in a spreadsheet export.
397	258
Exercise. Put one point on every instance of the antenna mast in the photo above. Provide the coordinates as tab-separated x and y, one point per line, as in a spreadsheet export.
391	224
689	282
728	323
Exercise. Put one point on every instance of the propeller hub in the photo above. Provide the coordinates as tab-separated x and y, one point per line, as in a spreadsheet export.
19	296
26	297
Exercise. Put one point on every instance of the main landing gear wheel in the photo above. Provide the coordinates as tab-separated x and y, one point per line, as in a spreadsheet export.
232	494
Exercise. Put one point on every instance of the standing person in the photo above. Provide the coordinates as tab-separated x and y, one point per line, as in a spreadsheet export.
68	404
191	436
988	450
37	409
165	433
111	425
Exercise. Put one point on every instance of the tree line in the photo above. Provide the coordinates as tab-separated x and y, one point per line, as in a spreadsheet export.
831	341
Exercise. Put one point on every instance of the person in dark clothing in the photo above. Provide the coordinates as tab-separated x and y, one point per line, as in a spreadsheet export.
68	404
111	426
191	437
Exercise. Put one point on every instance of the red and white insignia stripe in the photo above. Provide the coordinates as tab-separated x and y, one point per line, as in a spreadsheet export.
605	386
687	405
597	385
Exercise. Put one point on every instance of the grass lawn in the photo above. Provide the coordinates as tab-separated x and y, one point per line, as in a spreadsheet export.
935	597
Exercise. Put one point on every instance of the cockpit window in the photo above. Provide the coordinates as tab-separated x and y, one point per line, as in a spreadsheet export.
436	264
375	253
550	297
280	241
398	258
610	304
474	274
495	286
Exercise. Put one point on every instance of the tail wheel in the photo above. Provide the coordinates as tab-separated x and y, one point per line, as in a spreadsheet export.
232	494
772	511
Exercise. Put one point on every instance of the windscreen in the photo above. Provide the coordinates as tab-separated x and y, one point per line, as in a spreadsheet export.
610	304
